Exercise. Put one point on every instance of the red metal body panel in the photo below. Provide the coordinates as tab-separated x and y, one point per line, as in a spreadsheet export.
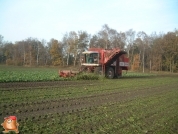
105	54
108	54
67	73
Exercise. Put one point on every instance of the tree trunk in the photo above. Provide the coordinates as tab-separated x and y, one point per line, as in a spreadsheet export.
24	55
75	58
143	58
30	58
75	61
131	62
68	59
37	56
150	66
24	58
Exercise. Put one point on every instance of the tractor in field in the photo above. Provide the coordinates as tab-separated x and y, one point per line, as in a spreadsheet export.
107	62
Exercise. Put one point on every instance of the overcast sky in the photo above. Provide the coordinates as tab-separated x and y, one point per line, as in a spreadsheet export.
46	19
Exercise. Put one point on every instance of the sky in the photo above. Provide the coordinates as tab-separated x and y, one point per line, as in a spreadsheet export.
46	19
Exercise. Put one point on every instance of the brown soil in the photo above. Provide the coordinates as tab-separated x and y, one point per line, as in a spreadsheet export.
21	85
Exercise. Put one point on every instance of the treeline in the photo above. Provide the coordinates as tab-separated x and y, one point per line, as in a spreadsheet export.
155	52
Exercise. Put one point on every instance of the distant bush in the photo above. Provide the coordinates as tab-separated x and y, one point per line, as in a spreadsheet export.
9	62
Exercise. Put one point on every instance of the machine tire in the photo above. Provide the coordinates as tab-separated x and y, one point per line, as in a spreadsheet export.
118	76
98	70
110	73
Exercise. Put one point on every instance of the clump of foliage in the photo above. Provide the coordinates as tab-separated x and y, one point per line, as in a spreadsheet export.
137	74
28	75
87	76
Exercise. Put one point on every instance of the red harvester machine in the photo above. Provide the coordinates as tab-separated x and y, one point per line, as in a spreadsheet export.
108	62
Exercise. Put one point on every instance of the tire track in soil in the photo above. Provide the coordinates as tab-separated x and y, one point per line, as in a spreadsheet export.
77	104
27	85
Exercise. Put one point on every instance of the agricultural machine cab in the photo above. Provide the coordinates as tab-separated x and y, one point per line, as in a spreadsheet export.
90	58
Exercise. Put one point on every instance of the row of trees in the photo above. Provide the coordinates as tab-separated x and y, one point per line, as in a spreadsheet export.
154	52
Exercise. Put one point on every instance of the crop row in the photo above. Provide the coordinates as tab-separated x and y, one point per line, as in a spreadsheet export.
28	106
47	74
141	115
146	105
46	93
18	76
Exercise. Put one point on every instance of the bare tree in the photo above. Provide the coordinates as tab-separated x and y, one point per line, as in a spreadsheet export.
103	36
130	37
94	41
1	49
71	45
144	39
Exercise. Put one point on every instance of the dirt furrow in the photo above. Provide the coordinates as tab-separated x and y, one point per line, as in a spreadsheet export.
75	104
26	85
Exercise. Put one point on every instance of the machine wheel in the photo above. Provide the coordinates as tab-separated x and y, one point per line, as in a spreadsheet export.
118	76
98	70
110	73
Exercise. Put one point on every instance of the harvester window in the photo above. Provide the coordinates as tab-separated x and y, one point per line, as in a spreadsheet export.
92	58
96	57
88	58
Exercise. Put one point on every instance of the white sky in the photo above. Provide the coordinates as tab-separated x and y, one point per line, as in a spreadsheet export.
46	19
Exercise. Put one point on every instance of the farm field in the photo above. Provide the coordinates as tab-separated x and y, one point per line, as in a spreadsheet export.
34	74
146	104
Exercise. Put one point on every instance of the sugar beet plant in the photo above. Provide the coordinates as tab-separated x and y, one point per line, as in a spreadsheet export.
22	74
87	76
19	76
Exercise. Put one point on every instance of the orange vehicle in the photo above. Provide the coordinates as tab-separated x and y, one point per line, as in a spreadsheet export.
107	62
